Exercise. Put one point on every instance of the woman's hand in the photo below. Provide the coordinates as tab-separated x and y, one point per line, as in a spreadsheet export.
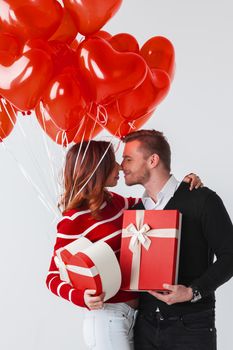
194	181
93	302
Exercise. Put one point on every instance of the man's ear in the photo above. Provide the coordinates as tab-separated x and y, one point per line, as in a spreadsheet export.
154	160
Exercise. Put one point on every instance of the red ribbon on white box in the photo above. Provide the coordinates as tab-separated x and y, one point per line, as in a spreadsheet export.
140	237
63	268
73	248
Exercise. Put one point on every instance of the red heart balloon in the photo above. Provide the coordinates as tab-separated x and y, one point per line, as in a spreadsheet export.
10	48
7	118
87	130
40	44
67	31
23	82
10	44
124	42
30	18
102	34
50	128
64	102
62	55
146	96
159	53
106	72
91	15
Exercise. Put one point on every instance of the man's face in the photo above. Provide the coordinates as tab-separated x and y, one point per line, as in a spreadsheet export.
135	165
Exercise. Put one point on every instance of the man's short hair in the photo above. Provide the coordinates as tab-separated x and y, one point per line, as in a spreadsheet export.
152	141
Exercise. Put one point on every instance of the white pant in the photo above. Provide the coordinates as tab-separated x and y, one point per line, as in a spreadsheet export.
109	328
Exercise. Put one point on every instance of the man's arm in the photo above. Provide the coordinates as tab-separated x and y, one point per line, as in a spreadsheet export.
218	231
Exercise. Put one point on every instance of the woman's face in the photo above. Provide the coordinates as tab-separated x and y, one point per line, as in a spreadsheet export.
114	176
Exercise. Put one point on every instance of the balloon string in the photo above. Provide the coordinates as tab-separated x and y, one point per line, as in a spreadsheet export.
97	166
35	162
75	165
67	141
40	194
131	124
89	140
3	132
79	128
49	155
102	116
4	104
83	157
28	149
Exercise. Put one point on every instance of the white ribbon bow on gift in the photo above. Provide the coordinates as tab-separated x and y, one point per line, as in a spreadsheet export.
139	236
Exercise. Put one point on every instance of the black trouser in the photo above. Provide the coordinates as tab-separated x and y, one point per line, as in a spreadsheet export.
188	332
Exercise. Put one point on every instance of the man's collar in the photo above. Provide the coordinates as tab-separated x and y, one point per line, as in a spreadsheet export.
168	191
169	187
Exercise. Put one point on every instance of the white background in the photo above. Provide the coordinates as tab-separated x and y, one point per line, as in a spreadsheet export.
196	117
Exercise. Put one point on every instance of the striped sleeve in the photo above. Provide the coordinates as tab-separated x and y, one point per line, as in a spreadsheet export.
53	281
124	202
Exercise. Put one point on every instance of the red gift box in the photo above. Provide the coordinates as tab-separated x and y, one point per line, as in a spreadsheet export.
88	265
149	253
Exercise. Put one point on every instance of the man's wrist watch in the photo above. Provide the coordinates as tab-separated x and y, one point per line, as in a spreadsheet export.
196	294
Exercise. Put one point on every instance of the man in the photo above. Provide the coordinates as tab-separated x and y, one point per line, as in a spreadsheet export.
182	318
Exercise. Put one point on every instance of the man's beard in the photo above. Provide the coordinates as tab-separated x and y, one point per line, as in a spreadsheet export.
138	180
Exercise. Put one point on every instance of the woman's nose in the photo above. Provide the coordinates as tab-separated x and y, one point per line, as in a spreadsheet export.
119	166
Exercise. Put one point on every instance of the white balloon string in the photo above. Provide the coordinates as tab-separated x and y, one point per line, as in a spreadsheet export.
132	126
97	166
53	171
102	115
77	157
79	128
75	178
130	123
64	139
34	158
40	194
4	104
118	146
75	166
92	174
28	149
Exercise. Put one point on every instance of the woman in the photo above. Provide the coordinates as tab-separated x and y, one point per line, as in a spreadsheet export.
92	211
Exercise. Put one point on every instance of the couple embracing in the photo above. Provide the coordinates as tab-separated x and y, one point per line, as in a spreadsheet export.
182	318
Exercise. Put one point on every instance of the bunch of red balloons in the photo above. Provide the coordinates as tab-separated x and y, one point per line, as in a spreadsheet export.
77	88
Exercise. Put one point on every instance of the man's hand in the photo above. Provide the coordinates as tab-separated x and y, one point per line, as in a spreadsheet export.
194	181
93	302
174	294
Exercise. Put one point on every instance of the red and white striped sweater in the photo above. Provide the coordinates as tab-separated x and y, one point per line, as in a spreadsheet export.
77	223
